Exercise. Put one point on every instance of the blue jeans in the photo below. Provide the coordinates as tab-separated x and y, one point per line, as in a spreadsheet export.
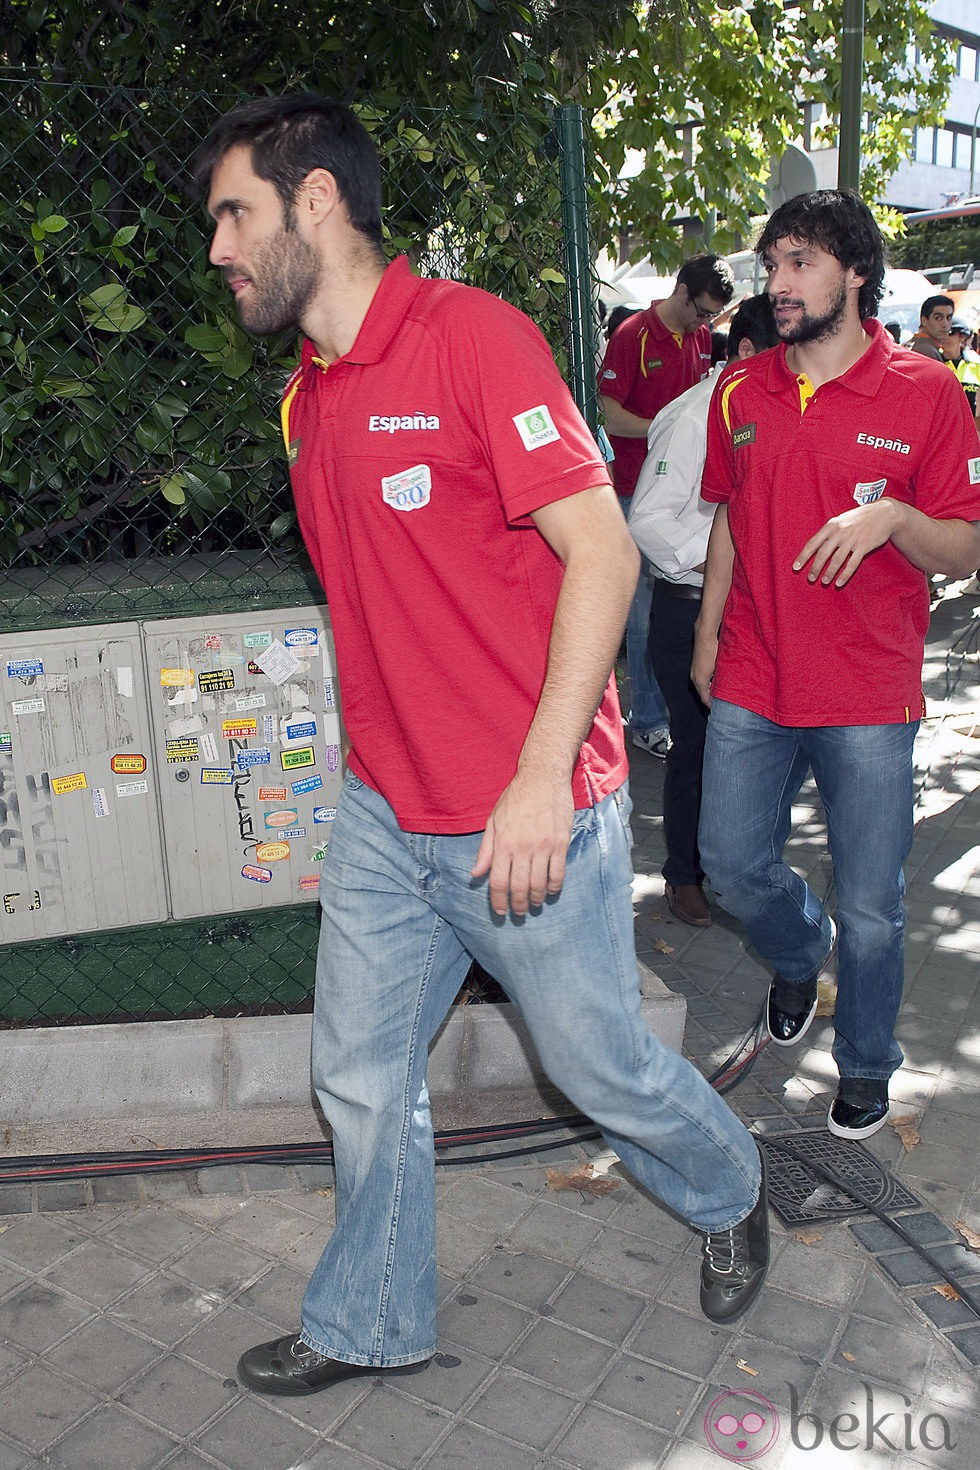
753	770
401	919
671	650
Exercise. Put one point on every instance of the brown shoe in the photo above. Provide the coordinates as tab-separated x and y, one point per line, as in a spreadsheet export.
687	903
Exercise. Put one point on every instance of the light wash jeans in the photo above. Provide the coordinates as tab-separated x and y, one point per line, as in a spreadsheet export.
401	919
753	770
648	708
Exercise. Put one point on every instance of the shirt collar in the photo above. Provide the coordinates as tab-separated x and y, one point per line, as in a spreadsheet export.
864	377
390	304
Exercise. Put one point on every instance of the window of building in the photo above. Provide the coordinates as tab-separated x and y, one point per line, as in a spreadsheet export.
944	147
966	62
924	145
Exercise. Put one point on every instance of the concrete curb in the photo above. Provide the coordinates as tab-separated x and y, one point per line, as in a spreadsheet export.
87	1078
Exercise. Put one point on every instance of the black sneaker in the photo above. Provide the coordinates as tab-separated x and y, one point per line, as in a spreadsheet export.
860	1107
790	1008
735	1261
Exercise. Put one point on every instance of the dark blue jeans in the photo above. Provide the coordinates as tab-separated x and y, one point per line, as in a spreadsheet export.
753	770
671	647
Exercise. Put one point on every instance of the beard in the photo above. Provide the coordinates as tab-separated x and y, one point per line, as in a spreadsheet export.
283	281
816	328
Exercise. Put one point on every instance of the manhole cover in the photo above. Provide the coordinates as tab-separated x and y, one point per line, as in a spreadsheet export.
799	1193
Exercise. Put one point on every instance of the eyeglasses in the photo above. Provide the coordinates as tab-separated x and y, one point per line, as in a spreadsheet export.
702	315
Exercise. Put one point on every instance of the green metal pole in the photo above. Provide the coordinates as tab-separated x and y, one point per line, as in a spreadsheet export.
578	261
852	70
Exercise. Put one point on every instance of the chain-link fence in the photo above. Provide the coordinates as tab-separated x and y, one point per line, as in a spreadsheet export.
141	469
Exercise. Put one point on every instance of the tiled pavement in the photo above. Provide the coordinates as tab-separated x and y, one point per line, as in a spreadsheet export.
569	1332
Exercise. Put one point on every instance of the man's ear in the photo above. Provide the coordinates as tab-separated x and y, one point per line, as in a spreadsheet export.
318	195
745	348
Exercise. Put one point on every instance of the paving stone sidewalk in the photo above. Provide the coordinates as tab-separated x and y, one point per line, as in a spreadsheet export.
569	1331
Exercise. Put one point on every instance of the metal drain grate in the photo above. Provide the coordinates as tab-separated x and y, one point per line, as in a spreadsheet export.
800	1195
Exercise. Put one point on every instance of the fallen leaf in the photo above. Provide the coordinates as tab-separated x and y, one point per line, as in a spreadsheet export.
949	1292
741	1363
970	1236
849	1356
663	947
325	1193
826	997
807	1237
906	1128
586	1178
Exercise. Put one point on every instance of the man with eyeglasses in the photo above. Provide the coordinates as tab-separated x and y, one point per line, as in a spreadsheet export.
651	359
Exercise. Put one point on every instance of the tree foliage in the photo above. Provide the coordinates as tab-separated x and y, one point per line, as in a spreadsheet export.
136	414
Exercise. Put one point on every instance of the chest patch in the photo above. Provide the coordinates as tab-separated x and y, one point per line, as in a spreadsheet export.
867	493
974	468
409	489
649	363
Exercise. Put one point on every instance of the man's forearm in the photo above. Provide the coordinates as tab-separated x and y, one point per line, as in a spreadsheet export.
596	591
621	422
951	547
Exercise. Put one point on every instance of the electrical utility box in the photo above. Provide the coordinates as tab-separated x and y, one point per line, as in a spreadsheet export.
165	770
79	827
247	740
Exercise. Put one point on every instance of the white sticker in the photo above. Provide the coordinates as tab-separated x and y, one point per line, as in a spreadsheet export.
409	490
536	427
27	706
124	681
277	662
99	804
251	701
209	747
133	788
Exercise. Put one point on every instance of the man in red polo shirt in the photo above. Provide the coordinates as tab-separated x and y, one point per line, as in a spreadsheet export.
478	572
651	359
845	471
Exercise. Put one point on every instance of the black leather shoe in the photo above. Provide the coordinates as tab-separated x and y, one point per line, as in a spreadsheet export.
288	1366
789	1010
736	1261
860	1107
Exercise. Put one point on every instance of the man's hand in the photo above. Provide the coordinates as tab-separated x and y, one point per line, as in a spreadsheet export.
840	546
525	844
703	665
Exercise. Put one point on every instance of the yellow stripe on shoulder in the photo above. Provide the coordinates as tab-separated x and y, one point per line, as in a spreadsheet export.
291	389
726	393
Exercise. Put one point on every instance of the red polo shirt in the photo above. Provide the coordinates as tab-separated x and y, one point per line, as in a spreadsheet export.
895	424
644	369
417	459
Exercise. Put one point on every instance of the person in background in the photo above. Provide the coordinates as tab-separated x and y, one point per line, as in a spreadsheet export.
670	524
654	357
964	362
935	315
845	472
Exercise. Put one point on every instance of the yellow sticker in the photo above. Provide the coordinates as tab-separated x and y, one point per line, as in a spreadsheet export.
177	678
61	784
271	852
293	759
238	729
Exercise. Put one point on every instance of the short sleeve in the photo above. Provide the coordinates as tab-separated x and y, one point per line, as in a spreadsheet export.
718	479
538	445
947	485
619	365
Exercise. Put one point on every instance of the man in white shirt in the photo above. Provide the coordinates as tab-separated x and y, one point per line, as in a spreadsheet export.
670	523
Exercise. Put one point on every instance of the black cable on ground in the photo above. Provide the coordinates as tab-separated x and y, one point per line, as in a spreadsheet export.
967	1294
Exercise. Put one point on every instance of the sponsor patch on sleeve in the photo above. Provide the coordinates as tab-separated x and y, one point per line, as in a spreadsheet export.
536	427
974	467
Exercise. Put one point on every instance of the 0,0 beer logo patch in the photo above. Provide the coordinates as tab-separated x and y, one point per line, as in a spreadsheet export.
409	490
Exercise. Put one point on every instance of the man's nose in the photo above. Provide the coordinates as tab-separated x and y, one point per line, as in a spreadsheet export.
220	251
